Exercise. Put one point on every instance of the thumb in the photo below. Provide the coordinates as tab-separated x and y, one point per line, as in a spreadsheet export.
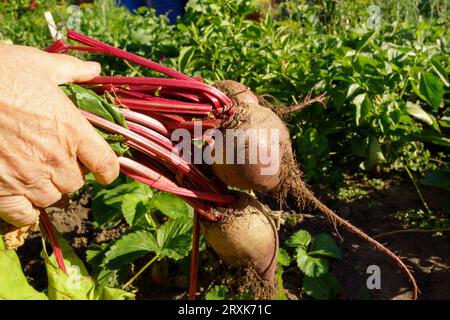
18	211
66	68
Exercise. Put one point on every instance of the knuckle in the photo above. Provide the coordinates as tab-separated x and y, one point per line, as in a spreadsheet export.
74	186
107	168
45	198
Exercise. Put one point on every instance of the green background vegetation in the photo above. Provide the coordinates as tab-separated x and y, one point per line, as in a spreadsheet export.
386	86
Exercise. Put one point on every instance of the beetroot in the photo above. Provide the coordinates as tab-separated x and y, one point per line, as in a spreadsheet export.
246	236
288	179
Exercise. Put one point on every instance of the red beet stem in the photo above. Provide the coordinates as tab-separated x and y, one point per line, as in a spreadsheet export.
164	105
153	179
152	149
50	231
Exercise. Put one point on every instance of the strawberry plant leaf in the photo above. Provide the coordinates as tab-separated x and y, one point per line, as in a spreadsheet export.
108	206
172	206
311	266
283	258
134	208
324	245
300	238
95	253
129	247
112	277
105	275
324	287
174	238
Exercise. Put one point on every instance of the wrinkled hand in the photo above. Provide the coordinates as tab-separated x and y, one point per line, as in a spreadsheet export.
43	137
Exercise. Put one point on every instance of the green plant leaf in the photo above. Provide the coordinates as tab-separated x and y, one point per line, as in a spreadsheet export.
440	71
375	154
363	105
112	277
283	258
13	282
174	238
437	179
431	137
76	284
300	238
417	112
445	122
186	55
311	266
324	287
134	208
172	206
323	244
131	200
88	100
129	247
218	292
430	88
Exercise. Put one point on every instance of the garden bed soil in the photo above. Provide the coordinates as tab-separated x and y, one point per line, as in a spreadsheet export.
426	253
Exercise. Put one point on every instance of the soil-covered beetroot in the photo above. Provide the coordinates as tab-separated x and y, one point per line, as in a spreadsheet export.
288	179
249	115
251	175
237	91
246	237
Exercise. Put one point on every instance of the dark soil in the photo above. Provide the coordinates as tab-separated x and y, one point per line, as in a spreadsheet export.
426	253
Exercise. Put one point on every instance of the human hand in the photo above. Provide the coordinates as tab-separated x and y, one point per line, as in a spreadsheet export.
43	135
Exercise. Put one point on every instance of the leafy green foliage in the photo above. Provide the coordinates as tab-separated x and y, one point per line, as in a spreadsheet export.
88	100
418	218
311	255
387	88
324	287
130	200
373	78
171	206
76	284
217	292
171	240
14	283
160	224
324	245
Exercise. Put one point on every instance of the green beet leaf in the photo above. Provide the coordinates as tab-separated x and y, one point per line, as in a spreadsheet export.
13	283
76	284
